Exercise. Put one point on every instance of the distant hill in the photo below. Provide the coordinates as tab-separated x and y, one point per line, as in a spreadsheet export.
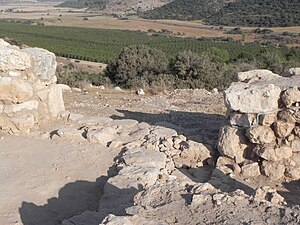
100	4
268	13
116	6
186	10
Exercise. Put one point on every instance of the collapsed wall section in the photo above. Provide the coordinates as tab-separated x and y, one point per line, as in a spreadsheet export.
263	132
28	90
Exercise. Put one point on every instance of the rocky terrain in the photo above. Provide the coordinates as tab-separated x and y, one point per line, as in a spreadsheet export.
108	156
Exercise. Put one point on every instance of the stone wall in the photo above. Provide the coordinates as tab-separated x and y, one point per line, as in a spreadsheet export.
28	90
263	132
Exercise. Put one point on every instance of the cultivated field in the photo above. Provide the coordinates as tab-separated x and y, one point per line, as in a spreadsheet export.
56	16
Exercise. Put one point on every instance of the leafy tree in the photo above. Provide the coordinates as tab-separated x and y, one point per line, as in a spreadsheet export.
190	65
135	63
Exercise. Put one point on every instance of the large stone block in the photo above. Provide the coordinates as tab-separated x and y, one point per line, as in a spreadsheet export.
232	143
248	98
13	60
261	135
15	90
256	75
44	64
55	100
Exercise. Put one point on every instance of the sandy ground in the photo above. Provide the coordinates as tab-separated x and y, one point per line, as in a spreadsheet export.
44	181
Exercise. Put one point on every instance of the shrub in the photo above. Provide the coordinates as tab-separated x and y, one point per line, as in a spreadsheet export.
135	63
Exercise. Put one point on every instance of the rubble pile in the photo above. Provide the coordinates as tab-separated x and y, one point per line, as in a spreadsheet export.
29	93
263	132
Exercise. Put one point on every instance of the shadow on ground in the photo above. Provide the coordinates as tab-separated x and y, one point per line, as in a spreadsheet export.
195	126
292	196
73	199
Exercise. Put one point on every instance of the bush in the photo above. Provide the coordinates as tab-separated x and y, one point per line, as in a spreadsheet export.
135	63
190	65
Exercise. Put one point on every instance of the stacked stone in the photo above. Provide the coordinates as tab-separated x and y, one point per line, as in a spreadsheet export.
28	90
263	132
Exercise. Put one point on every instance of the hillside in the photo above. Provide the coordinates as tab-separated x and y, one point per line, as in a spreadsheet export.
116	6
268	13
186	10
101	4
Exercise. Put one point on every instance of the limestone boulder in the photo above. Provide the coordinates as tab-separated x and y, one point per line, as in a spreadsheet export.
145	158
295	71
272	153
241	119
274	170
261	135
293	172
55	100
101	135
13	108
267	119
291	96
256	75
193	154
232	143
13	60
248	98
160	194
295	145
44	64
251	170
283	129
15	90
4	43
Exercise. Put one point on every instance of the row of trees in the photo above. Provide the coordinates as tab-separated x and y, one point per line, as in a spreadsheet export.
142	66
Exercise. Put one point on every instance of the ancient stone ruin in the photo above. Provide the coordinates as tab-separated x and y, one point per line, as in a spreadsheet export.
29	93
263	132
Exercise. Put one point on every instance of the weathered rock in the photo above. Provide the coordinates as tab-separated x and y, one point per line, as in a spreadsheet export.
160	194
94	120
297	131
71	133
13	60
268	194
261	135
19	123
140	92
194	154
232	143
55	101
145	158
29	105
129	220
256	75
225	164
291	96
64	87
267	119
247	98
272	153
15	90
102	135
251	170
44	64
296	145
4	43
295	71
241	119
283	129
293	172
274	170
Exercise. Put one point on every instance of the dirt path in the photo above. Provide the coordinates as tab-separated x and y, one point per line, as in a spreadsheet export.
34	174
